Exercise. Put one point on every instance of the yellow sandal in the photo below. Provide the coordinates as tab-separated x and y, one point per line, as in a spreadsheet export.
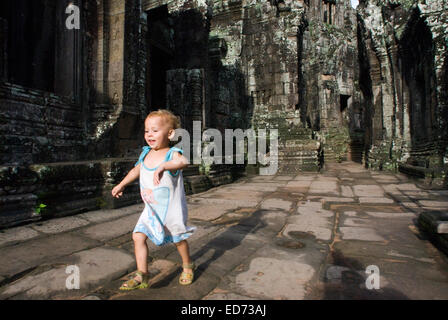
135	284
186	278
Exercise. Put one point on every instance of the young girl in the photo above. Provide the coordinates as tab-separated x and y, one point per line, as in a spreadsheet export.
164	217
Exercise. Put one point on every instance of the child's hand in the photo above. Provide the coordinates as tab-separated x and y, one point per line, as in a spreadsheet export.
117	191
158	174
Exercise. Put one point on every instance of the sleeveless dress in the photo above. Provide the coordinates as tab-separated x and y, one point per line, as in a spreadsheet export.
164	217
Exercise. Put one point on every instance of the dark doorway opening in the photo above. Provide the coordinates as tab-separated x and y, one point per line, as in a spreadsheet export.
416	51
344	102
160	54
29	42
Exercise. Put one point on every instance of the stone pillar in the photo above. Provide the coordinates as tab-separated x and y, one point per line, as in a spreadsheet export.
387	96
398	94
185	95
197	87
108	58
406	115
142	64
67	41
98	55
115	33
133	68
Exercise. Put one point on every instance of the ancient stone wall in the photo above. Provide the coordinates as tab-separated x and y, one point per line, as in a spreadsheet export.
402	84
58	143
330	75
46	129
368	85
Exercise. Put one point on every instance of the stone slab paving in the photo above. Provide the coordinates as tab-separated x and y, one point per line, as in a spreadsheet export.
434	204
28	255
234	195
311	218
255	187
298	236
107	215
95	266
280	204
60	225
359	233
213	202
206	213
375	200
276	272
298	184
111	229
16	235
324	187
305	177
368	191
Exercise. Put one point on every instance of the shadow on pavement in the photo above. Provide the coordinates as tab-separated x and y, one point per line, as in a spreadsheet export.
224	242
352	285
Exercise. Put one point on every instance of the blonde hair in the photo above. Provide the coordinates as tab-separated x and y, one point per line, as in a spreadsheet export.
166	115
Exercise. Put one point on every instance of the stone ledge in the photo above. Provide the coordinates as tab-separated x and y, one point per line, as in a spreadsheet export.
433	177
68	188
435	229
414	171
434	222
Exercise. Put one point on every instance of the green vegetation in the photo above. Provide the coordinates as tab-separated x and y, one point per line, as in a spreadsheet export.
40	208
101	203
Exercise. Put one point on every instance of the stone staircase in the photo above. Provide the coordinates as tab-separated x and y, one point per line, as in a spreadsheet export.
299	155
335	144
298	148
298	151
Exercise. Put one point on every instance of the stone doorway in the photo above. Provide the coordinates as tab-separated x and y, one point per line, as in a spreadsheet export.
416	53
52	59
344	102
186	95
160	56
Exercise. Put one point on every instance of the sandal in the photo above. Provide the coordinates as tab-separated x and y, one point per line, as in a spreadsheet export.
186	278
135	284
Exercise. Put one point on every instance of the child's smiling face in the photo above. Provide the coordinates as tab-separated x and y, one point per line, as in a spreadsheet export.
158	132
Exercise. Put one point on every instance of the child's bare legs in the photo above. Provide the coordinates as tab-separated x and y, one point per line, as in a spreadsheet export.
184	252
141	254
141	251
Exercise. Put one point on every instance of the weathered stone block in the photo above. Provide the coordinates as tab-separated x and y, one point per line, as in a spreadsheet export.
434	222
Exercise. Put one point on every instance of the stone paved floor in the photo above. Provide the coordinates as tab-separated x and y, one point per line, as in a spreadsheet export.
305	236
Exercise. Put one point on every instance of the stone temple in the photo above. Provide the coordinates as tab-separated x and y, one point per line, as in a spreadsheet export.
78	77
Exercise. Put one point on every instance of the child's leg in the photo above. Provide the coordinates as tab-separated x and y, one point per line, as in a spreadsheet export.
141	256
141	251
184	252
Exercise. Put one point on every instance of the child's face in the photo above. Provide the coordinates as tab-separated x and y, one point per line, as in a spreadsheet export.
158	132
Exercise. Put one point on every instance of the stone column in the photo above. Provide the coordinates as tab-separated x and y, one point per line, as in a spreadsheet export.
109	57
197	86
115	34
133	68
387	91
66	71
98	55
142	64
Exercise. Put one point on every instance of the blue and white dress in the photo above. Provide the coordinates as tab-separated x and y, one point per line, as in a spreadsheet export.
164	217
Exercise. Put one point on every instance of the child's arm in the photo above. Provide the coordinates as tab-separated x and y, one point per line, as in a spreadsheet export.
117	191
178	162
